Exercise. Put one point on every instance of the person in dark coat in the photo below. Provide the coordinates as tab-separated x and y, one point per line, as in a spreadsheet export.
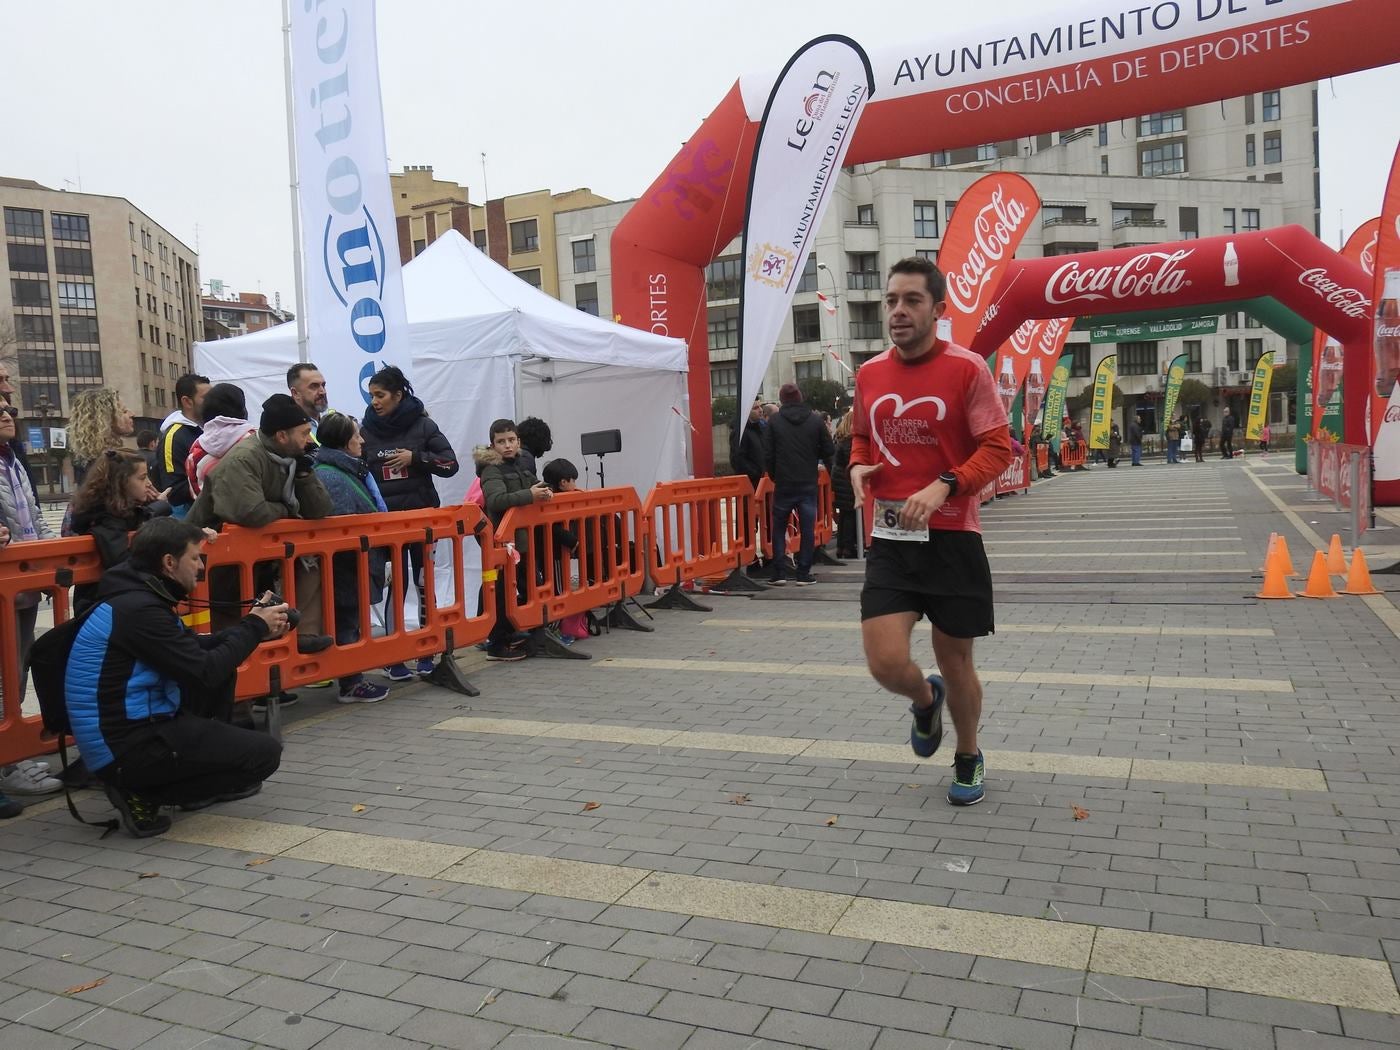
535	442
746	449
1115	444
505	483
116	499
795	444
1200	430
405	450
842	494
1227	436
1135	440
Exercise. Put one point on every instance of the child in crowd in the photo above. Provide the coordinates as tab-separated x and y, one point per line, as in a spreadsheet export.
562	476
506	483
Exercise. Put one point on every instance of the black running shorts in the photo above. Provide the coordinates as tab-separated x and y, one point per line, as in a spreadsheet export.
946	579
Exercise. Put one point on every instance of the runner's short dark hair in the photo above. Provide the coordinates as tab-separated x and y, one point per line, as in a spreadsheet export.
932	275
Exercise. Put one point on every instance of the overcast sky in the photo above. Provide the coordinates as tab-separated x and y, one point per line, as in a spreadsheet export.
178	105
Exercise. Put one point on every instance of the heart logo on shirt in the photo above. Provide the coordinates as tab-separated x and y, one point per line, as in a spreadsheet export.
901	407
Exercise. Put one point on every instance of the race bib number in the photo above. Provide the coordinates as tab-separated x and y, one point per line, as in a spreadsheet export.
887	525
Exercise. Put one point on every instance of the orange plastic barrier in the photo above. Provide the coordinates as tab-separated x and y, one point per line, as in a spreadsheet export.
826	509
605	566
763	517
1073	454
702	528
251	555
50	566
1042	458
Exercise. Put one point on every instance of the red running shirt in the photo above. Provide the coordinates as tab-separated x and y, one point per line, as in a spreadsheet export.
921	419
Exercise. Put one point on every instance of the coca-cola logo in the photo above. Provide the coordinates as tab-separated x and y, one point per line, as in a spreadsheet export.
1392	414
993	230
1022	338
1368	255
1147	274
1349	301
1388	331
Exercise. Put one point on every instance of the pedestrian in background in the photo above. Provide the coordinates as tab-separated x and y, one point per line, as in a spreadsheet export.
1174	441
841	492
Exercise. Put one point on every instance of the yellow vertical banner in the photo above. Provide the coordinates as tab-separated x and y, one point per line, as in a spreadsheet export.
1259	397
1101	410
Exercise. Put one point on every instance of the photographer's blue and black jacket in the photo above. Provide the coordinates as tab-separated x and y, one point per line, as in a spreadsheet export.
133	663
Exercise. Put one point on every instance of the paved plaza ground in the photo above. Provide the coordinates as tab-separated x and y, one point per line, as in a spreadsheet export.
715	837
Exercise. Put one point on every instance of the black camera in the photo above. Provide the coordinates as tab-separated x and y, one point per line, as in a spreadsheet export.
273	598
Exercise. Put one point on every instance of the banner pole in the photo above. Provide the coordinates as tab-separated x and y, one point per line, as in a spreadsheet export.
299	277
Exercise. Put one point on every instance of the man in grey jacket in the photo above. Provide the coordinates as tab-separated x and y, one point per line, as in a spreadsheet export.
795	443
267	476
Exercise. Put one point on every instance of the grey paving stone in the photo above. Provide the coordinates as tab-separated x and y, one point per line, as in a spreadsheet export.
892	1011
788	995
825	1032
706	1012
364	1011
531	1011
638	1033
35	1038
1206	1031
277	1028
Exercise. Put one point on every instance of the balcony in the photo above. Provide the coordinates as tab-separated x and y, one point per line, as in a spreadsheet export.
865	281
860	237
867	330
1058	230
1136	231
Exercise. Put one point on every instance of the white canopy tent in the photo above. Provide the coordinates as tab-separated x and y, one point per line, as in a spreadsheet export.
485	345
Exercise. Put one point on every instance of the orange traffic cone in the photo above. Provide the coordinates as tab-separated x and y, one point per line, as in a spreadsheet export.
1269	551
1359	578
1285	557
1336	560
1275	579
1319	582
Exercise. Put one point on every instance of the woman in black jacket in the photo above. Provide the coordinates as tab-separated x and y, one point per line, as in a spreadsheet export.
405	451
116	499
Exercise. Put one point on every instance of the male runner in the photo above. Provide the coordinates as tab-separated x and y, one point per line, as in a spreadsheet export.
929	433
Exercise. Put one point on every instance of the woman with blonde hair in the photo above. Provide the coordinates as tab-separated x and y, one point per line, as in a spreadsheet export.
97	421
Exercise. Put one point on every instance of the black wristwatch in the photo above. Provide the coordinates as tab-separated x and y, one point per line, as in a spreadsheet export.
951	480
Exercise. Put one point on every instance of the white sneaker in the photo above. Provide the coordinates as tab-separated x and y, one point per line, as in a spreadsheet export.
28	778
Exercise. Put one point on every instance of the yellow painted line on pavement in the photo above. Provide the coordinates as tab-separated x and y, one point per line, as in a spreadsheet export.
1050	763
1016	628
816	670
1335	980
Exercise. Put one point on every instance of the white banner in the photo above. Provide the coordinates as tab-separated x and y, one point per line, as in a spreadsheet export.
811	116
350	253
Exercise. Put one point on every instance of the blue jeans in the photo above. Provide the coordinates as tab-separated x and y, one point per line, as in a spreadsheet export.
1137	455
804	501
1174	450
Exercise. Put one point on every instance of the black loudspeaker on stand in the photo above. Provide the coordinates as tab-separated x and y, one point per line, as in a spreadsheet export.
599	443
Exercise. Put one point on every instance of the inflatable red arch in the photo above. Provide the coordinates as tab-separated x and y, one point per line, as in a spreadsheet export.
1108	61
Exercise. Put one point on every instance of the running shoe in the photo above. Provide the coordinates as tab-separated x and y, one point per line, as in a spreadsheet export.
424	666
805	579
398	673
141	817
363	692
29	778
507	653
9	808
966	788
926	733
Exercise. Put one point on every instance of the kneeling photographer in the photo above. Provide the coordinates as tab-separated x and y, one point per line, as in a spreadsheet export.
149	700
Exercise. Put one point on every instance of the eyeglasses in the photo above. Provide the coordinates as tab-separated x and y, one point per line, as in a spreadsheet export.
13	413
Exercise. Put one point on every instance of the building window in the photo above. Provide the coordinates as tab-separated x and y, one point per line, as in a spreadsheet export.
1253	351
28	258
806	324
940	158
1188	220
143	364
586	297
1168	158
1249	158
141	329
948	208
1137	359
131	229
479	239
926	219
76	295
585	257
24	222
1192	349
1232	320
160	396
157	366
418	247
1227	220
724	329
1251	218
70	228
79	328
34	328
1162	123
530	277
73	260
145	394
1273	105
1273	147
1103	134
29	293
525	236
803	371
931	254
83	364
865	215
722	278
808	281
724	381
1250	321
1079	362
1232	354
1103	164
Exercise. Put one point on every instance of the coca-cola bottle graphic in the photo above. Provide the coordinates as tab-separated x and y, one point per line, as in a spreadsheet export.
1006	384
1388	335
1035	393
1232	265
1329	377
